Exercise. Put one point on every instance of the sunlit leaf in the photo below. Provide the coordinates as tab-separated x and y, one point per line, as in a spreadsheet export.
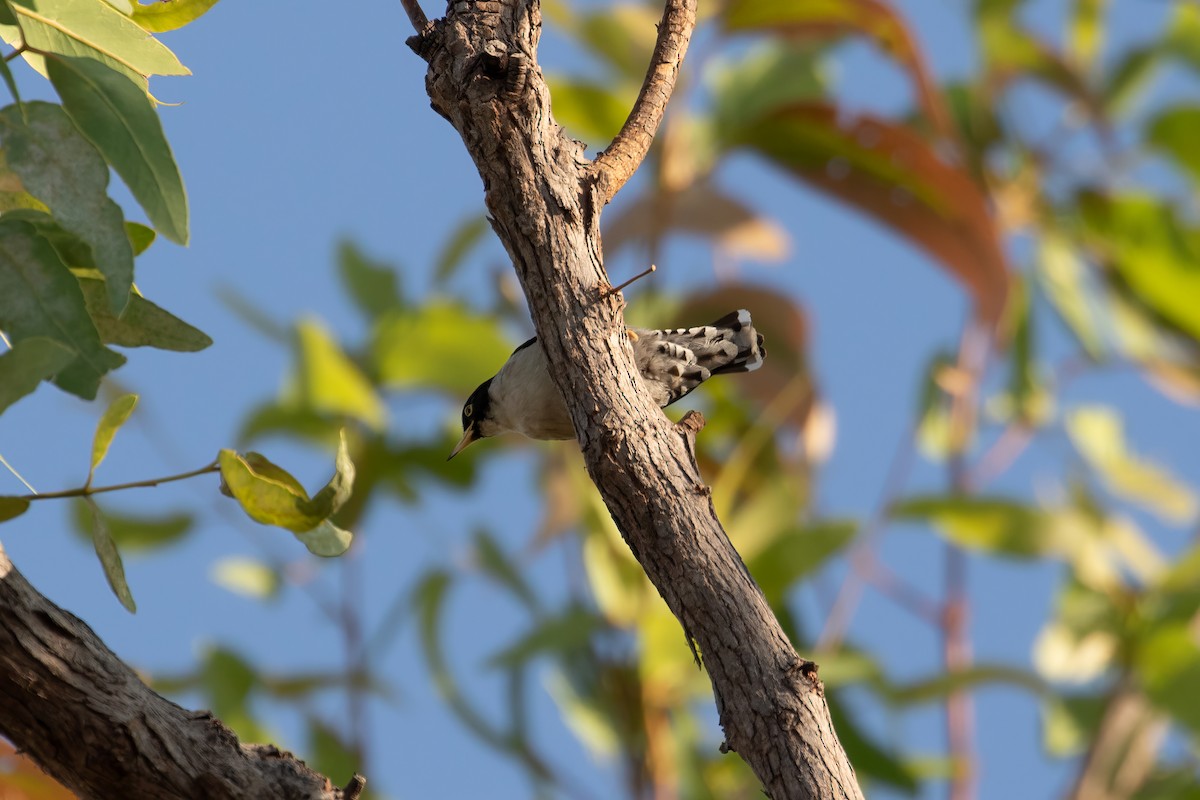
12	507
1097	434
119	119
110	558
798	553
140	236
1067	285
334	494
593	111
62	169
1066	657
976	676
267	492
143	324
1153	253
159	16
1004	527
1168	662
30	362
440	346
39	297
133	533
246	576
1174	131
584	717
888	171
623	34
825	19
111	421
1085	32
329	382
1068	723
771	75
90	29
702	209
373	285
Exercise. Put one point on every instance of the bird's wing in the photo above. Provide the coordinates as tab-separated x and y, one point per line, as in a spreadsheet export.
674	362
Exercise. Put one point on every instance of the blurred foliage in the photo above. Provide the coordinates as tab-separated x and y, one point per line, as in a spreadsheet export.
1092	228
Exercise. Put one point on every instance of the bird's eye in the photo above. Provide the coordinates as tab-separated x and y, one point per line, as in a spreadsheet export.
468	410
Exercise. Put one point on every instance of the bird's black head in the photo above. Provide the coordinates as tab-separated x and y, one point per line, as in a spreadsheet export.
476	411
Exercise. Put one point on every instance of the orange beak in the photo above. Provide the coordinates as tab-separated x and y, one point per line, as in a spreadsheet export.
467	437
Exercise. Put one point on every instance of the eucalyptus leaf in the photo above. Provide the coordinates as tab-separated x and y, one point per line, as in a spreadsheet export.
111	421
110	558
30	362
119	119
60	167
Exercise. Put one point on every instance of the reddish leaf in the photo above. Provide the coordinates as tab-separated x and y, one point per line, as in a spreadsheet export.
825	19
888	171
701	209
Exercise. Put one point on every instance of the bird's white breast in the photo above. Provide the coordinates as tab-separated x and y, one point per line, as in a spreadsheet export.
525	399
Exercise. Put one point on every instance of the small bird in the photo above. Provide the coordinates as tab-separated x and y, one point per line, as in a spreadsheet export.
522	397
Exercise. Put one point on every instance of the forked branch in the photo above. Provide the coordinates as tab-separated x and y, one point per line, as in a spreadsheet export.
616	165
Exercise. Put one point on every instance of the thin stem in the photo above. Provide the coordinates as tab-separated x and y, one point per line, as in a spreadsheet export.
620	160
415	15
16	53
16	474
86	491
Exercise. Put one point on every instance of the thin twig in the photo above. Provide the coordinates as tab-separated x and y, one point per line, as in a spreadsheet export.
415	15
86	491
620	160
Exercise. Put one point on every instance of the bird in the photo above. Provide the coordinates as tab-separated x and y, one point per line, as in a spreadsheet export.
521	397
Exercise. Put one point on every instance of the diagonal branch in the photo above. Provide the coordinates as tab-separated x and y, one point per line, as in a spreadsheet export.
544	200
616	165
87	719
415	15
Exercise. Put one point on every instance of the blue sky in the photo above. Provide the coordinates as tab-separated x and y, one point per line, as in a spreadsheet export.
307	122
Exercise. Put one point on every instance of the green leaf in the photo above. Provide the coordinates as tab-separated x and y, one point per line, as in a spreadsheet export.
494	563
266	492
62	169
12	507
1168	662
6	14
1097	434
119	119
1174	131
468	233
90	29
134	533
938	687
869	757
1063	276
372	285
246	576
331	754
112	420
329	382
594	111
796	554
771	75
140	236
143	324
336	492
1069	723
437	346
990	524
39	297
271	496
30	362
892	173
560	635
110	558
157	17
228	680
622	33
1085	33
6	73
1153	254
326	539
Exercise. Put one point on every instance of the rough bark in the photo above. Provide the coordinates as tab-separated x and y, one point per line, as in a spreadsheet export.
544	198
84	716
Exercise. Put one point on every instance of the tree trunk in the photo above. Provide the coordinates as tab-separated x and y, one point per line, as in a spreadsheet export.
69	703
545	198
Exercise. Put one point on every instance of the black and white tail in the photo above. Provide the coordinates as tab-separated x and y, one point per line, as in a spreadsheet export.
674	362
